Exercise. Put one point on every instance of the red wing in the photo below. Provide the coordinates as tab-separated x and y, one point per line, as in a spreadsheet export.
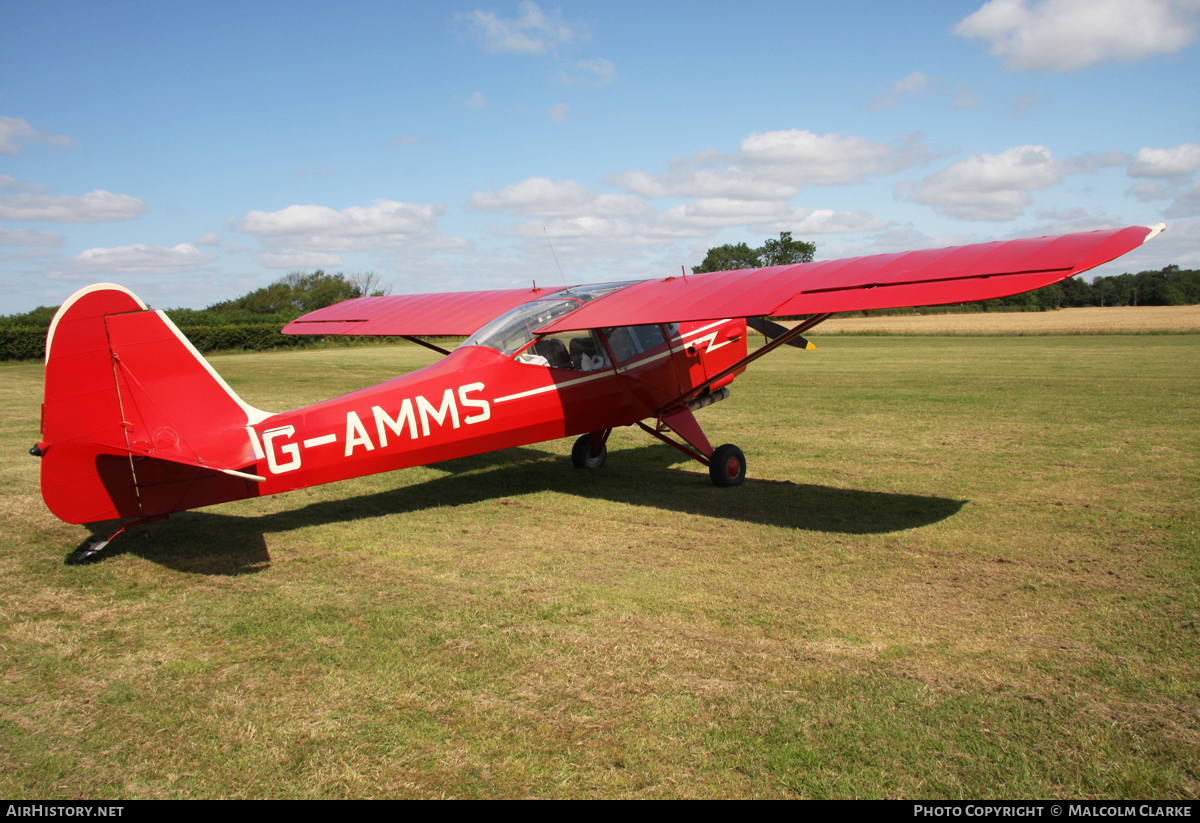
449	313
920	278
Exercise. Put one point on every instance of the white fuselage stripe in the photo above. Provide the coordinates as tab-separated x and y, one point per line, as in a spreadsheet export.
554	386
590	377
704	328
320	441
643	361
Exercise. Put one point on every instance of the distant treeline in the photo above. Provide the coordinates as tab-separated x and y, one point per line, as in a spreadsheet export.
251	322
254	320
1171	286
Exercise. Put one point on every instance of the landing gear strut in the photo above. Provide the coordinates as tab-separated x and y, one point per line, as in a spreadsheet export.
726	464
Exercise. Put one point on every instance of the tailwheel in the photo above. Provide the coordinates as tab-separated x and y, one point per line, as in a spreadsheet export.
582	456
727	466
89	553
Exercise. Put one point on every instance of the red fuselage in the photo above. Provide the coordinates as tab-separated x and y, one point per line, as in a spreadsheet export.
477	400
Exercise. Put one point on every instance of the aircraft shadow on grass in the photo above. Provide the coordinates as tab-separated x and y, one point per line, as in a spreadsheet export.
225	544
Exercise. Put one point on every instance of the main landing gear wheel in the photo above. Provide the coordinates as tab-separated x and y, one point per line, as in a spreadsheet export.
727	466
582	457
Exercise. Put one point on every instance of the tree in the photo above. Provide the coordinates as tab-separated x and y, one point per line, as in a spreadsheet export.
786	251
729	258
370	285
298	293
782	252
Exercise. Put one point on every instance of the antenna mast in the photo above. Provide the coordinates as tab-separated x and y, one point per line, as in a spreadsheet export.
551	245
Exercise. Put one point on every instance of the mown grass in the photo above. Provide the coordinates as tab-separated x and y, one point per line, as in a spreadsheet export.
960	567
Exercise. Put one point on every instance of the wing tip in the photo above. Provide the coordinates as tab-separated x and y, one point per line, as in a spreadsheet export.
1155	230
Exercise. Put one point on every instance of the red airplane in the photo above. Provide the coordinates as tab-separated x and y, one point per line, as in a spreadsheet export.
136	425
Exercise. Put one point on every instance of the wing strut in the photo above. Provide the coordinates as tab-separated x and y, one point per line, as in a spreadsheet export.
771	330
781	340
421	342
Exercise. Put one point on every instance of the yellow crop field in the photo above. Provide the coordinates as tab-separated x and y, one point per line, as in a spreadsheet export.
1091	320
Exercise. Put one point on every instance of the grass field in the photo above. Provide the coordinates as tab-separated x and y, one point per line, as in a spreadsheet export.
961	567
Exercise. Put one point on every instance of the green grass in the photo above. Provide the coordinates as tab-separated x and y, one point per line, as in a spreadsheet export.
961	567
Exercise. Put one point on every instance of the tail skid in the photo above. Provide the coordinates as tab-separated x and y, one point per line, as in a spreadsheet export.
135	423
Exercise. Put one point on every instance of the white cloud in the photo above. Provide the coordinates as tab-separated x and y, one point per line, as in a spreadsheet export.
31	254
573	211
141	259
406	140
1149	191
532	31
1187	202
687	181
591	73
913	85
806	159
1168	171
774	165
15	132
294	259
29	237
210	239
1067	35
1177	161
475	101
97	206
986	186
707	215
827	221
897	239
772	218
1094	161
557	198
699	218
384	224
1075	213
558	113
1067	221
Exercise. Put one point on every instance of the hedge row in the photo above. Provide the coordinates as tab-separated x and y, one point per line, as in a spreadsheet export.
22	343
29	342
252	337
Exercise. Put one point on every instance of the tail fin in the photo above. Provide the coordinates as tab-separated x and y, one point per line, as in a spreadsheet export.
135	423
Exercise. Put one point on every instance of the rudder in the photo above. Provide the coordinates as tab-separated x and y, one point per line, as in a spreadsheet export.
135	423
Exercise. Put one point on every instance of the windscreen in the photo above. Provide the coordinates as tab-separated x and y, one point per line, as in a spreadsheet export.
512	330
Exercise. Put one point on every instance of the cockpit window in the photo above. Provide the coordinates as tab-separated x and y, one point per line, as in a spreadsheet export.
513	330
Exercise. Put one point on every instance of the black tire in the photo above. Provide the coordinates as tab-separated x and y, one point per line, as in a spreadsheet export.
727	467
582	457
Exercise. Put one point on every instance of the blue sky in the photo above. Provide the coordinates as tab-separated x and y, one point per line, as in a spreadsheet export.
192	152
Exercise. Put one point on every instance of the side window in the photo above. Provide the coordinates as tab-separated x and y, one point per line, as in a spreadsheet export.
628	342
578	350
